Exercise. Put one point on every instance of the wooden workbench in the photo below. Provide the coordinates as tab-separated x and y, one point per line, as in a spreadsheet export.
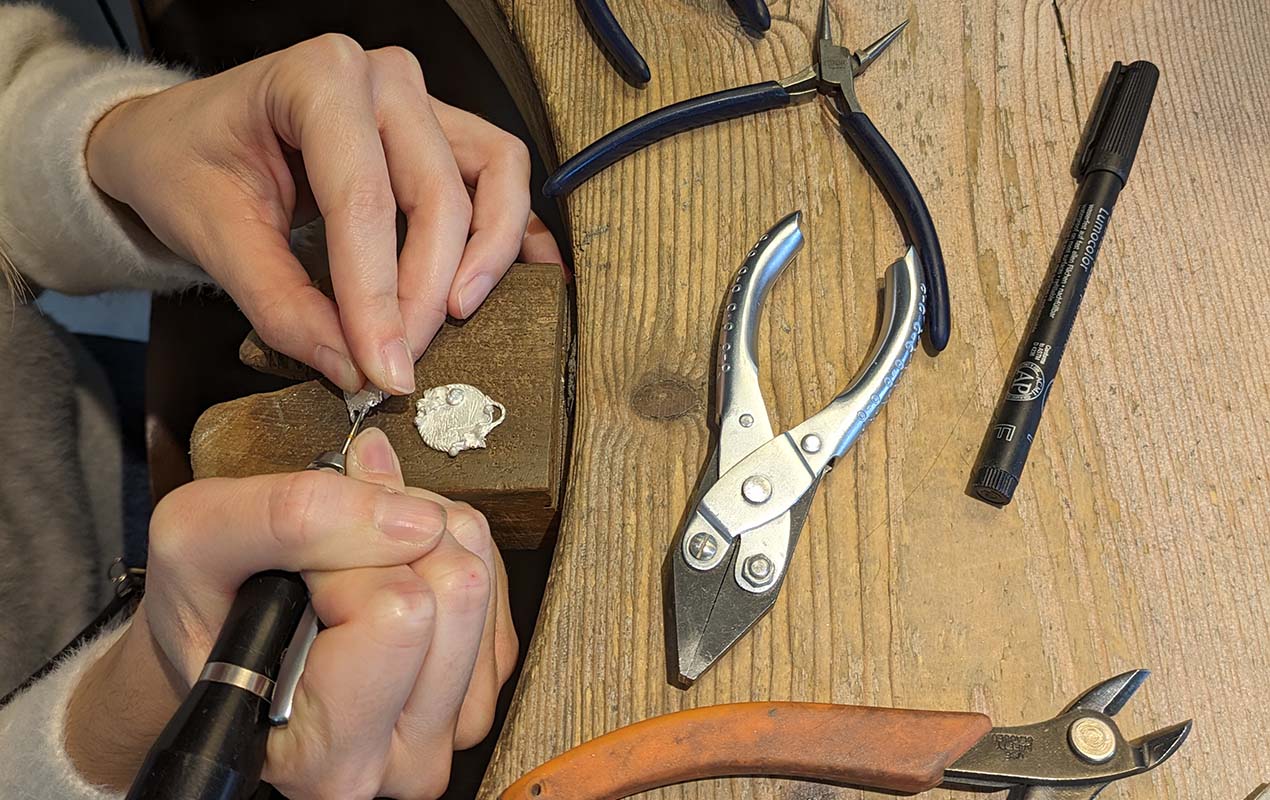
1139	536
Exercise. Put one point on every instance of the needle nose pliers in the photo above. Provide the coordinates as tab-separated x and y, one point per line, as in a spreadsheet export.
621	51
832	75
1073	756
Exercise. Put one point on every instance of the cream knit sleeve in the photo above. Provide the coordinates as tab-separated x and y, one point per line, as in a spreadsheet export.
33	760
56	228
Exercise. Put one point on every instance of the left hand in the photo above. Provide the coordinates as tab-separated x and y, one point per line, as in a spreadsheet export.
220	169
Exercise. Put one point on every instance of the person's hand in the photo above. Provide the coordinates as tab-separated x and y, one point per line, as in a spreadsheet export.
404	580
221	169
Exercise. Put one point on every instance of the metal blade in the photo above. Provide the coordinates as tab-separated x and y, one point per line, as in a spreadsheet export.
870	54
1159	746
824	26
1055	792
1110	696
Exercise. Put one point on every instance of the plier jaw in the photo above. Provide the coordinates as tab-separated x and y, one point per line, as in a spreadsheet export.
1073	756
732	552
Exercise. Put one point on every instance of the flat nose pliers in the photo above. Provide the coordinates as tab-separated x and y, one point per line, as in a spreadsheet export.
833	75
621	51
1073	756
729	560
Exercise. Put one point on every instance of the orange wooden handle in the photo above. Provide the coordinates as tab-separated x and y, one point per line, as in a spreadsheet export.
898	750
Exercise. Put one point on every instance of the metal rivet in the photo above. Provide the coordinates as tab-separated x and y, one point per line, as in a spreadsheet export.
759	570
746	420
1092	739
703	546
756	489
811	443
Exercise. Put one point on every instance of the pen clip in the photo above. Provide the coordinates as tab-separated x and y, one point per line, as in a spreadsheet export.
1096	120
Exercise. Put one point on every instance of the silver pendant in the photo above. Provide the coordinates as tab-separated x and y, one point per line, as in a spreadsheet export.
457	417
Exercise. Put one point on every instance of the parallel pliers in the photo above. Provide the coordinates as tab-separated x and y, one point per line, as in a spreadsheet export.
1073	756
623	55
729	560
833	75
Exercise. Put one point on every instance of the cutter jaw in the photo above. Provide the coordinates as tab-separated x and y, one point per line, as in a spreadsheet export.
1073	756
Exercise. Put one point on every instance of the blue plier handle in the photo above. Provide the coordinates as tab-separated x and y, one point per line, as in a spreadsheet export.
831	76
621	51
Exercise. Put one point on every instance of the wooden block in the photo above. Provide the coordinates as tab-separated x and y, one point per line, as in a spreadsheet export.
515	349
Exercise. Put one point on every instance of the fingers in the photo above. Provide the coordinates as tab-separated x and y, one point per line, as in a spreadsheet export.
539	246
287	310
359	672
428	189
212	534
425	728
373	459
331	118
493	662
496	165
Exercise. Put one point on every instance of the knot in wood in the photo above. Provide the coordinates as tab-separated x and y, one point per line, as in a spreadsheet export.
665	398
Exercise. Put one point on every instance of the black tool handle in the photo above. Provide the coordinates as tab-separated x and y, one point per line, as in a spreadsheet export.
614	43
213	748
662	124
753	14
903	195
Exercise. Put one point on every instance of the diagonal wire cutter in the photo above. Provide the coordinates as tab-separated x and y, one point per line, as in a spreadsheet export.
729	560
832	75
621	51
1073	756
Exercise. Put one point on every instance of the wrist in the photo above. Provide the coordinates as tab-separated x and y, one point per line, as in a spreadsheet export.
105	152
120	706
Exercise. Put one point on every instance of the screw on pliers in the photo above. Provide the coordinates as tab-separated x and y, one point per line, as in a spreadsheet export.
727	565
621	51
1073	756
833	75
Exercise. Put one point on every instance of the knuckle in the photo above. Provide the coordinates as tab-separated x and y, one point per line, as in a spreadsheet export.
463	586
514	151
402	61
371	202
405	611
293	506
339	52
470	528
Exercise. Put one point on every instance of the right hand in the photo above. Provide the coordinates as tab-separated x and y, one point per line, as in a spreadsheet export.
222	168
404	580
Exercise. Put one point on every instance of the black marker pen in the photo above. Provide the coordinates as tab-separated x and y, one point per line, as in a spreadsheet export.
1101	171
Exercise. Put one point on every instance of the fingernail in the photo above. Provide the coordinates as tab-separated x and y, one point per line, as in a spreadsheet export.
474	292
411	519
398	366
374	453
336	366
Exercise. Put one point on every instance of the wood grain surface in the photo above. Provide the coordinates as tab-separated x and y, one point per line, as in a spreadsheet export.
515	348
1139	535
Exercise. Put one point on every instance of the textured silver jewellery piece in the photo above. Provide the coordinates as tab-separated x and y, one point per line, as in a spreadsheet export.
367	398
457	417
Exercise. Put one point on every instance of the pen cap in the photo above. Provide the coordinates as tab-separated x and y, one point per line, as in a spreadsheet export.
1115	129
